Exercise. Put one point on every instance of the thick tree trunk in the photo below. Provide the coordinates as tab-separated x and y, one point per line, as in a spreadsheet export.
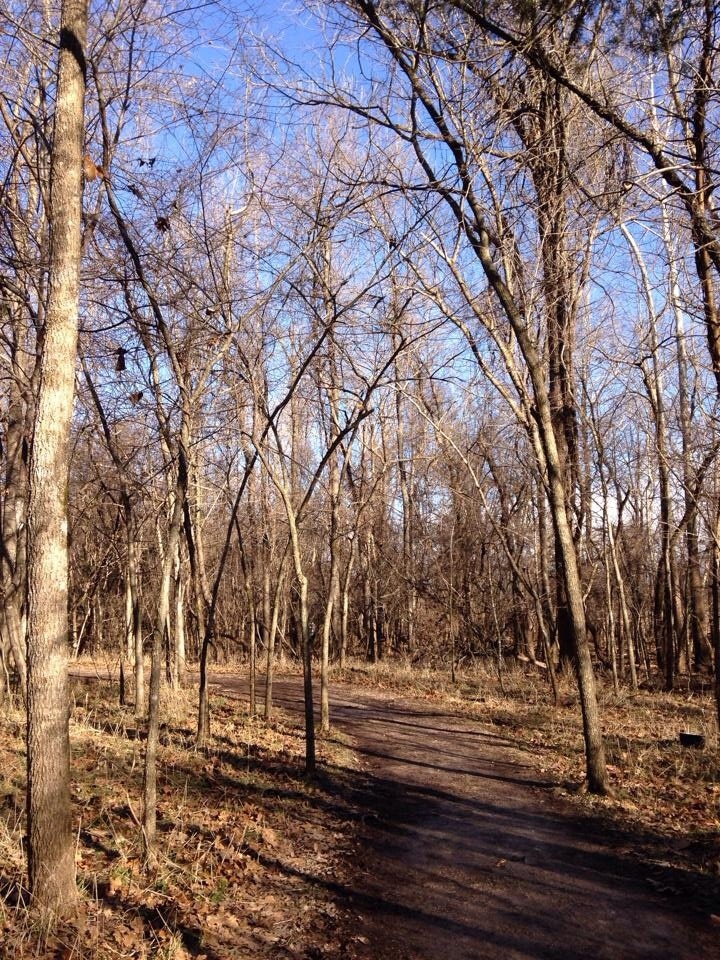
50	835
557	285
594	749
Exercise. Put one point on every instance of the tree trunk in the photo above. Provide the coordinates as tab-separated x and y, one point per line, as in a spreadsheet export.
330	601
307	678
50	835
128	641
180	652
14	505
158	640
597	779
303	622
270	650
345	602
715	582
252	649
136	634
405	479
697	604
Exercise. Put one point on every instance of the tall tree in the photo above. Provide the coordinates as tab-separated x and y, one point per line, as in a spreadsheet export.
426	92
51	847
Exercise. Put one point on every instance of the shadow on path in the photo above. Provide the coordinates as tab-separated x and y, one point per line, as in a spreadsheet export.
464	854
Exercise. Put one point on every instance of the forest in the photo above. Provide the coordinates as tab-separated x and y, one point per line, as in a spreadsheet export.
344	336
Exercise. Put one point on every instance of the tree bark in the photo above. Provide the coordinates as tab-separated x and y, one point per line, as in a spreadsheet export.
697	613
345	599
303	621
159	637
50	835
135	636
715	579
180	653
270	649
14	505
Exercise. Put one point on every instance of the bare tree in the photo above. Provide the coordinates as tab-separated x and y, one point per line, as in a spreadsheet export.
408	37
51	847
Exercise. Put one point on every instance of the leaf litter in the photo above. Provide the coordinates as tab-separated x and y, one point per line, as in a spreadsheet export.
248	846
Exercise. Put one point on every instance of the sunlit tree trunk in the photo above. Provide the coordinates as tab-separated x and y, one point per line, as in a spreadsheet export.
278	599
303	620
698	625
135	633
335	473
180	650
51	847
667	601
159	638
345	599
715	585
405	478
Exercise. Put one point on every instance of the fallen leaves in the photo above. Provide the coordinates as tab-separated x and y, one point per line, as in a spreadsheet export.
240	841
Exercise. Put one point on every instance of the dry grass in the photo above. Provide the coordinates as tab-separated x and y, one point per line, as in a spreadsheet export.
244	845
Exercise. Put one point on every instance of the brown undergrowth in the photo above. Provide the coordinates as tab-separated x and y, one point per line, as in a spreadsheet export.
661	789
251	852
247	846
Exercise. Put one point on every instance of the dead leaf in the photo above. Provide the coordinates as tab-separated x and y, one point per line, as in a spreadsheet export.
269	837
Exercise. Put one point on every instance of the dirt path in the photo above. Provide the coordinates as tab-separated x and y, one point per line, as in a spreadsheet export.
464	854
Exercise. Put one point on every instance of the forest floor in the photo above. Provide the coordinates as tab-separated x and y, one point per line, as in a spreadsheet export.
445	822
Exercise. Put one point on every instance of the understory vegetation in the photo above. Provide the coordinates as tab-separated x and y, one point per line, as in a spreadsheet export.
347	333
252	853
247	844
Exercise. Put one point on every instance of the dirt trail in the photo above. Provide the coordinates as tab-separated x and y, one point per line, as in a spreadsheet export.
465	855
